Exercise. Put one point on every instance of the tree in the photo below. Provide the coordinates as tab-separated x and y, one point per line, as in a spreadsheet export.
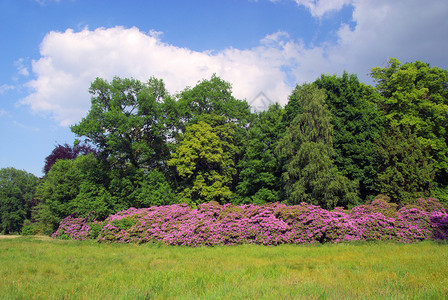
127	123
406	172
74	187
17	190
204	160
415	96
212	96
153	189
260	167
358	124
309	172
67	152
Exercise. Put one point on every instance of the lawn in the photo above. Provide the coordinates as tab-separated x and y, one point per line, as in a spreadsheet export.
36	268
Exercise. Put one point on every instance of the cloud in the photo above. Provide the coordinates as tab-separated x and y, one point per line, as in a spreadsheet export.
3	112
319	8
406	29
409	30
5	87
21	69
70	61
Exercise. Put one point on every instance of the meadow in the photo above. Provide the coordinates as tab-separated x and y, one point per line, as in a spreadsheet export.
33	268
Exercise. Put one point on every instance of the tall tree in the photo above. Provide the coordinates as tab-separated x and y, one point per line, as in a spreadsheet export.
126	122
310	174
415	96
358	124
260	167
213	96
17	190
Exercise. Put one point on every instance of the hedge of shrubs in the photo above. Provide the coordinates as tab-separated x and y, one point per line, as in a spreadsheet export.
270	224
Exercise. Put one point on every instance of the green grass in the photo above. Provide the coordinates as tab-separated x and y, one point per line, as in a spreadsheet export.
52	269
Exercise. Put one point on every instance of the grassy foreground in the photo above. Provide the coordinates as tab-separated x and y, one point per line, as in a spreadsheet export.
33	268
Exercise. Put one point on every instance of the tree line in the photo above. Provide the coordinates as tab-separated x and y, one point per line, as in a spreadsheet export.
337	142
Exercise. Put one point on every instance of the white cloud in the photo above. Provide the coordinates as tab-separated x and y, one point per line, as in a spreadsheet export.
3	112
21	69
72	60
5	87
319	8
406	29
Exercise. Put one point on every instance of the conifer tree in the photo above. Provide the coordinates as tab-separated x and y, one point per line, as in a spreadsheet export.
309	172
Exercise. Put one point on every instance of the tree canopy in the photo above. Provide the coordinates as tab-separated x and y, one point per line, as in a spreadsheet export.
358	124
17	190
127	122
309	172
205	160
415	96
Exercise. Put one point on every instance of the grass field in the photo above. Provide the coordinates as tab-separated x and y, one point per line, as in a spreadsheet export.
32	268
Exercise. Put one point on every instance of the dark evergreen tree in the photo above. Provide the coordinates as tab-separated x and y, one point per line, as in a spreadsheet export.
358	124
309	173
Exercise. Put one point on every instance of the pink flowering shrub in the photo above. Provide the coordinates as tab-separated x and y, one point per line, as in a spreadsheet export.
269	224
78	228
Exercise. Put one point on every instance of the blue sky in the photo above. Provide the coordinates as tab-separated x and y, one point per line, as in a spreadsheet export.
52	50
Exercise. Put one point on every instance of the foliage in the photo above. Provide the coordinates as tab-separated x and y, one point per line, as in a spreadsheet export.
152	189
269	224
17	190
405	173
67	152
334	139
204	160
309	172
127	123
259	169
415	96
73	186
213	96
357	124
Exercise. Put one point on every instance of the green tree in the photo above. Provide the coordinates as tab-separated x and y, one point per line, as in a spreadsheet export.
415	96
127	122
260	167
406	172
153	189
17	190
212	96
309	172
73	187
204	160
138	188
358	124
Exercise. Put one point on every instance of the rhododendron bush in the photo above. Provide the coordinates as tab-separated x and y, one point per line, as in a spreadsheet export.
270	224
